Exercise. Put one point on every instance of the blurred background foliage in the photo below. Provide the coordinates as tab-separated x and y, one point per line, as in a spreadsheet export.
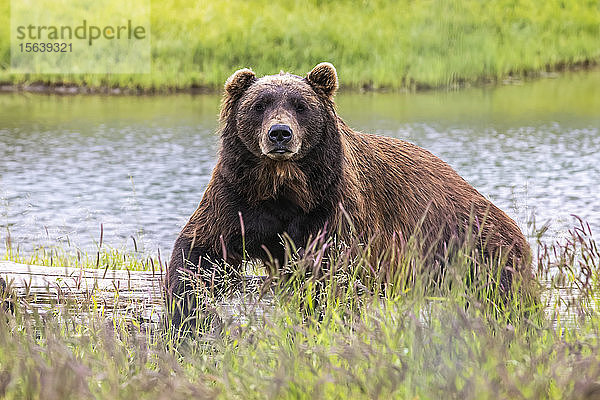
374	43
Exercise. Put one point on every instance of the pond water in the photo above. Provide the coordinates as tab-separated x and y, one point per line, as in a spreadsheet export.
138	165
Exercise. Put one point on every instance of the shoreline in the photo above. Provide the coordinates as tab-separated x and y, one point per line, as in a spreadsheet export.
66	88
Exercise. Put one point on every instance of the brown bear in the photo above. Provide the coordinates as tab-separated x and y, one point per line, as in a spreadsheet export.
289	164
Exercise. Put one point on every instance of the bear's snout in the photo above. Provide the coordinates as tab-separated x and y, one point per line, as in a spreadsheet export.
280	142
280	134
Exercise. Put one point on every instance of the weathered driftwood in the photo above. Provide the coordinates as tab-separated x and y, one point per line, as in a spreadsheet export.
135	295
138	293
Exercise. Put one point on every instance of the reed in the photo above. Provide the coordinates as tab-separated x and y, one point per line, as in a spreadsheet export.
332	329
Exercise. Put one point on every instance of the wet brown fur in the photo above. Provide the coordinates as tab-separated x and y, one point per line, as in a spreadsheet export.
388	187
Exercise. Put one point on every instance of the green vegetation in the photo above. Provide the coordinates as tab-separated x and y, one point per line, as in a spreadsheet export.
105	257
374	43
417	338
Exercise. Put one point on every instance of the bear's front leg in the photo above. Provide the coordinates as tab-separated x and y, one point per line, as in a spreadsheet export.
195	274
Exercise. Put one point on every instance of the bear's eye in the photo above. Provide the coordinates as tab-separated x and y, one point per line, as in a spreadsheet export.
300	107
259	107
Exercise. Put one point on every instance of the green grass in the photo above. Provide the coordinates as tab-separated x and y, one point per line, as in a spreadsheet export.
373	43
106	257
418	338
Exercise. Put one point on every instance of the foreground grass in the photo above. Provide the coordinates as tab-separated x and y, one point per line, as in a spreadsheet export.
374	44
336	335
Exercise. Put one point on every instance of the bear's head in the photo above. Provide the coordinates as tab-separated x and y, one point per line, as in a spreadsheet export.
279	117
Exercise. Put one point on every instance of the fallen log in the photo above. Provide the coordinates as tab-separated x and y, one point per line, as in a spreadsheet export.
135	295
31	279
138	293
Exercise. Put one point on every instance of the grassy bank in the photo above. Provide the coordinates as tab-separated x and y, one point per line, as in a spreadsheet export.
416	339
374	44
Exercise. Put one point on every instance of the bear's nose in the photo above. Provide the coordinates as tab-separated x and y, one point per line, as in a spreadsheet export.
280	134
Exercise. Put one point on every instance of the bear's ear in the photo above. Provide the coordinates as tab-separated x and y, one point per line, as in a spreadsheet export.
237	83
323	77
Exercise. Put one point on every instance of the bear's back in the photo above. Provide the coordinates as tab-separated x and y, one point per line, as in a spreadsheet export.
401	186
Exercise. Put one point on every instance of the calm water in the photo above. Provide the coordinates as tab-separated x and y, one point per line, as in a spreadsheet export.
139	165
